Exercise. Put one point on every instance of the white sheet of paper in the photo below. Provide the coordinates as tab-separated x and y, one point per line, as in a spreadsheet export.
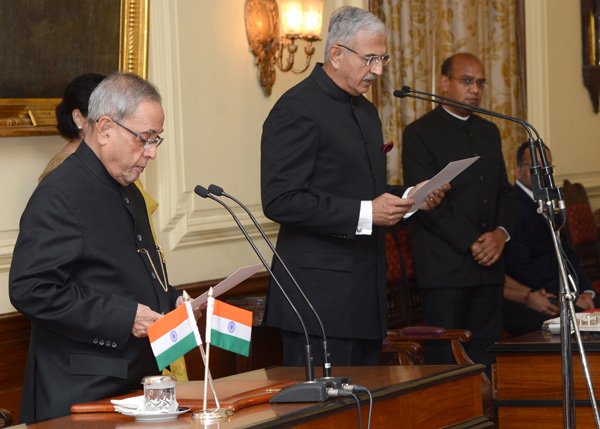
449	172
229	283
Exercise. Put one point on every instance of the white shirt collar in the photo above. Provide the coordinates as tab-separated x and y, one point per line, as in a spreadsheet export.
525	189
463	118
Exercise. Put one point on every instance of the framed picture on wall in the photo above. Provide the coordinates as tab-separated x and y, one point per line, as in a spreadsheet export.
47	43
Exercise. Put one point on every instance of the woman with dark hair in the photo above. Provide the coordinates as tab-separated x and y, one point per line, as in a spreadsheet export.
71	114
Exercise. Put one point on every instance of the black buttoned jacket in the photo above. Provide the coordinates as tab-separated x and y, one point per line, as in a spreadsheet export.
321	155
481	198
78	275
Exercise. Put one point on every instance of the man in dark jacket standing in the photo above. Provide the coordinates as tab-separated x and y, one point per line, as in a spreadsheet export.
323	168
86	269
458	247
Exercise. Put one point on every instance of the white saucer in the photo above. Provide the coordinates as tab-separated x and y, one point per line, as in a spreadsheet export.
148	416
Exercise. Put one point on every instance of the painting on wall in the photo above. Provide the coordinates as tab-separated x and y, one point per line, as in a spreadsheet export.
50	42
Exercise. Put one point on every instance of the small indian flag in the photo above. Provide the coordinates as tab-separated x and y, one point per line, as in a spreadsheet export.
173	335
231	328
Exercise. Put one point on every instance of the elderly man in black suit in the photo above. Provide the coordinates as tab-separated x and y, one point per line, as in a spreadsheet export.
323	168
86	269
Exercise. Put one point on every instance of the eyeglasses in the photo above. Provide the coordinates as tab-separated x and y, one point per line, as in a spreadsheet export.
469	80
147	142
383	59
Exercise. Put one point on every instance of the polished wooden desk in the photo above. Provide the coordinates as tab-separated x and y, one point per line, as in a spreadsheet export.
404	397
528	380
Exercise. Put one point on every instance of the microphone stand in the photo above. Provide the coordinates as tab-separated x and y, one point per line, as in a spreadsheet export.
334	382
546	193
310	390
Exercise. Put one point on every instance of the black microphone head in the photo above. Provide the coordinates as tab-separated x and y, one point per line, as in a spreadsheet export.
201	190
215	190
407	89
399	93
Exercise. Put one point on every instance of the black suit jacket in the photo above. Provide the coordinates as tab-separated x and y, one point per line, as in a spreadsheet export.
77	274
322	153
530	257
481	198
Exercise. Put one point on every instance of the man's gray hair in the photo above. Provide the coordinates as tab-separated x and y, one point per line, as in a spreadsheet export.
346	21
119	95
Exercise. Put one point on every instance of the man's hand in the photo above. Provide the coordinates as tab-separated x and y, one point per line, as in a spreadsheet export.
389	209
144	317
488	248
585	301
197	310
539	301
433	199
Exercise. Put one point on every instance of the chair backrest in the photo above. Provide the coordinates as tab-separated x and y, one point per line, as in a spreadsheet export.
583	229
404	303
582	223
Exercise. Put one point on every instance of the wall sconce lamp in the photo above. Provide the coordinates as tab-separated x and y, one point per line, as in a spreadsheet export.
300	19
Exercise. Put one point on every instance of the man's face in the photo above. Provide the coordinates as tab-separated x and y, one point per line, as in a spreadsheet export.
522	172
354	76
123	155
464	68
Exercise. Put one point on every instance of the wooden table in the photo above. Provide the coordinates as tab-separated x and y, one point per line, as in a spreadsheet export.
528	380
404	397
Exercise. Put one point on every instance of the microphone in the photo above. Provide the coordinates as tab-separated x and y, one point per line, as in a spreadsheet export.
334	381
544	188
310	390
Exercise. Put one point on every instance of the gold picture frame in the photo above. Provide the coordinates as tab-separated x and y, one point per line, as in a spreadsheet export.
36	116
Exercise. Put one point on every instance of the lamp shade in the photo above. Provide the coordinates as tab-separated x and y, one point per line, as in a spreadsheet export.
291	16
313	18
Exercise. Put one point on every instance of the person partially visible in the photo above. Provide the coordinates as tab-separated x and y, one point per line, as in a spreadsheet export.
532	278
71	114
86	269
458	247
323	179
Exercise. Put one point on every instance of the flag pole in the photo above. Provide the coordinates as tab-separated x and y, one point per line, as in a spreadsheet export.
207	338
187	298
217	413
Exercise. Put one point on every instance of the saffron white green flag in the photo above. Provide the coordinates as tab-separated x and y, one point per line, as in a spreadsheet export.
173	335
231	328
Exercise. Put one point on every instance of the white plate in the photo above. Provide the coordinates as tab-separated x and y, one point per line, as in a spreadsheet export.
148	416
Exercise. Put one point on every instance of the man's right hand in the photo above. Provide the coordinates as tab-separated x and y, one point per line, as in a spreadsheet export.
144	317
539	300
389	209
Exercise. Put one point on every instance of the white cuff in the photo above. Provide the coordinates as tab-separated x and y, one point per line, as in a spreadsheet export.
365	218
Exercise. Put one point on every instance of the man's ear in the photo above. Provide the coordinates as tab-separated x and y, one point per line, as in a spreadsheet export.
518	172
335	53
444	83
104	127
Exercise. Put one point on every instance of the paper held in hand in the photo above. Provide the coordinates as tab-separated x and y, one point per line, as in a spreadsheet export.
229	283
449	172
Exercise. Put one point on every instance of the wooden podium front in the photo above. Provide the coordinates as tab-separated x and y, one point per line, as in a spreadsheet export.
404	397
528	381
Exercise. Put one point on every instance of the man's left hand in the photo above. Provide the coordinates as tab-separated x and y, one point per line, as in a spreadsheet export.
488	247
433	199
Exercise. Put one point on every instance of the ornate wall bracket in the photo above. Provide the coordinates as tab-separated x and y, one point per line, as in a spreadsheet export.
590	37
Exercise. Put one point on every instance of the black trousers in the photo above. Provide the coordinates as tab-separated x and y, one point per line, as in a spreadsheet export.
342	351
476	308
